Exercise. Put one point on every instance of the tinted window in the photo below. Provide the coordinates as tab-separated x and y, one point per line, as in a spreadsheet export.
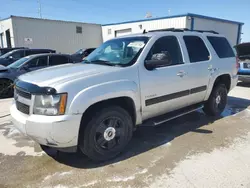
18	54
196	48
58	60
221	47
38	62
168	44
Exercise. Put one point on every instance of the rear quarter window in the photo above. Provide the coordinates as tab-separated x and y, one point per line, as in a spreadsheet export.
221	46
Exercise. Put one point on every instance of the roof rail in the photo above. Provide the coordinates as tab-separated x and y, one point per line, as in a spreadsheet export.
184	29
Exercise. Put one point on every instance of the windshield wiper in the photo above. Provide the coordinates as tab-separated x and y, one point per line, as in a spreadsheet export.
102	62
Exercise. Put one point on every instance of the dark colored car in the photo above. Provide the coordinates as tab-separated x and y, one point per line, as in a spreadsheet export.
15	55
6	50
243	52
81	54
27	64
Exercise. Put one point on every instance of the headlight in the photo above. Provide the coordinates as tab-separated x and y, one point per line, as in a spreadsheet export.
50	105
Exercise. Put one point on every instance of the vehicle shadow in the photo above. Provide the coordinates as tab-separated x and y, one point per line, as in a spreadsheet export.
243	84
147	138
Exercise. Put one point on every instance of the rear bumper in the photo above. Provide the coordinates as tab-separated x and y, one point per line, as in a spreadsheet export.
53	131
244	78
234	81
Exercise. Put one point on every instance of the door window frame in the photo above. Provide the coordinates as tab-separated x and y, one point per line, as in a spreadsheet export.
206	42
180	48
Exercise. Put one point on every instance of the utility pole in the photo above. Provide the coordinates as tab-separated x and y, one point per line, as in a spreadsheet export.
39	8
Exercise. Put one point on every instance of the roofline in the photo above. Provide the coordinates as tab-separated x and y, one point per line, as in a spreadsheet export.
176	16
44	19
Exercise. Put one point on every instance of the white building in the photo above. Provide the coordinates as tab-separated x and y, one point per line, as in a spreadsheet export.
231	29
63	36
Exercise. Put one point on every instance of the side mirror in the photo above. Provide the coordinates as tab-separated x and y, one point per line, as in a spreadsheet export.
25	67
158	60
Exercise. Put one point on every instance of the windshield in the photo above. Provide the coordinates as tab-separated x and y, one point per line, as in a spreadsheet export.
121	51
18	63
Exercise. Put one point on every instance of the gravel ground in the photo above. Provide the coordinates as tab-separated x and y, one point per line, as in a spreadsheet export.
191	151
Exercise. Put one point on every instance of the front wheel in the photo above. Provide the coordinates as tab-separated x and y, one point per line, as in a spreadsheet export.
217	101
106	134
6	89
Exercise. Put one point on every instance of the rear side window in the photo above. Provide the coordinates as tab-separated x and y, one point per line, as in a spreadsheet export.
58	60
221	47
196	48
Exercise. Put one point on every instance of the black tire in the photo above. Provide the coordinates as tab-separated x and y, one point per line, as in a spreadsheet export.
6	88
217	101
94	140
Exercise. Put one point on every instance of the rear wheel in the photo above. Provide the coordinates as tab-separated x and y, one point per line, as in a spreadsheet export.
106	134
6	88
217	101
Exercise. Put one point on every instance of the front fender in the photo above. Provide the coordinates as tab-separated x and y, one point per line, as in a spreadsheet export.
91	95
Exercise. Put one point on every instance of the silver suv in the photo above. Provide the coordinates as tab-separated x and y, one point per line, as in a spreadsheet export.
146	78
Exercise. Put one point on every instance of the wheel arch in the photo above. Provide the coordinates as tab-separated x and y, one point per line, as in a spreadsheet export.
221	79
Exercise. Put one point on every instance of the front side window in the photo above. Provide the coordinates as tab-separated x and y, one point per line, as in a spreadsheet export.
38	62
221	46
196	48
167	44
118	52
58	60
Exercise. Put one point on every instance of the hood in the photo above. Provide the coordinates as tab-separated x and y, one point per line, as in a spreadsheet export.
3	68
4	62
243	50
64	73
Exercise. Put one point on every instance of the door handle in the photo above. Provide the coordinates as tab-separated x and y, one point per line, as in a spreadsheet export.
181	73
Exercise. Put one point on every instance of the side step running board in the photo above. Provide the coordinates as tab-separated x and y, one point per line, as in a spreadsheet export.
172	115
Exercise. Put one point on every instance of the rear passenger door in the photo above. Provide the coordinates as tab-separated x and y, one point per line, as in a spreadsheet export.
164	89
198	70
58	60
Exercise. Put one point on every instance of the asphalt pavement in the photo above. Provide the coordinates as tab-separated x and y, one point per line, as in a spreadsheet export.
191	151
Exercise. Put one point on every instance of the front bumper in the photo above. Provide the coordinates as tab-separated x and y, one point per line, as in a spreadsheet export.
54	131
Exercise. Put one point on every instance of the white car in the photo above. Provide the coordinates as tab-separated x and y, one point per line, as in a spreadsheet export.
145	78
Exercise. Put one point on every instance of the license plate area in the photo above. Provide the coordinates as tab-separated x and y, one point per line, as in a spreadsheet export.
246	65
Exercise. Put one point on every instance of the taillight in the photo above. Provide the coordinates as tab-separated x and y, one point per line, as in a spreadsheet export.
237	62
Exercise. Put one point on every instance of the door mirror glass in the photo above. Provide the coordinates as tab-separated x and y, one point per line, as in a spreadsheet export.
162	59
25	67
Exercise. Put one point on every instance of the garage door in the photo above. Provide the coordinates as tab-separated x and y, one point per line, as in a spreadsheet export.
123	32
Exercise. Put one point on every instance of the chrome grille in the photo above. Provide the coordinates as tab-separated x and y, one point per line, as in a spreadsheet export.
22	93
22	107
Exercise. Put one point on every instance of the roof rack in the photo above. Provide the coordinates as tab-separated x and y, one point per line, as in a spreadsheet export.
182	30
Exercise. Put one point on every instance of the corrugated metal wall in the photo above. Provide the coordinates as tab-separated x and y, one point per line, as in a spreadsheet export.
58	35
230	30
138	27
4	26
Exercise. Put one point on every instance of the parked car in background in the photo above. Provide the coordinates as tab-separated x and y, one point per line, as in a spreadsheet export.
15	55
81	54
243	51
148	78
27	64
5	50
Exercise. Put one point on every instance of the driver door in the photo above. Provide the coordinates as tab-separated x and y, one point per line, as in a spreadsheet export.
164	89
